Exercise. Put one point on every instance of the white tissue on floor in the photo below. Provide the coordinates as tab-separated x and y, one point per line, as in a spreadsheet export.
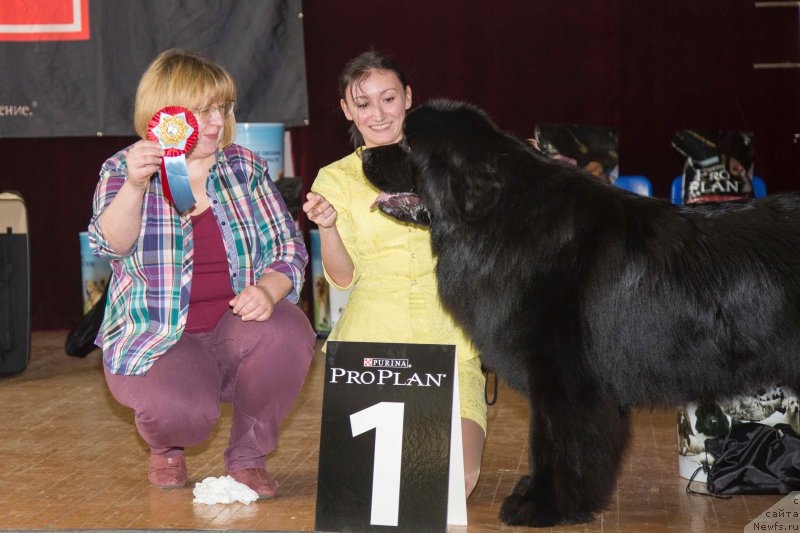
223	489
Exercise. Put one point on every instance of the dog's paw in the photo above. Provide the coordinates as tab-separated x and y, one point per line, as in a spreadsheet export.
525	508
522	486
517	510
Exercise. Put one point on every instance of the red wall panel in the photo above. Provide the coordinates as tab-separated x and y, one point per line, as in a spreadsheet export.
647	68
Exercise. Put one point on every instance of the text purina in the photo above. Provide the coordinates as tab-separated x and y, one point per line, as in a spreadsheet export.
385	377
386	363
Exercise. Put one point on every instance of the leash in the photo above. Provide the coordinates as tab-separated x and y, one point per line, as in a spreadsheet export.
493	400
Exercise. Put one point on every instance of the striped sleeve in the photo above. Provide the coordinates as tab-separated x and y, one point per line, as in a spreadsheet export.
112	176
285	250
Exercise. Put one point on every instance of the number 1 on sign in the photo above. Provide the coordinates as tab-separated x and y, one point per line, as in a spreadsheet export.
387	420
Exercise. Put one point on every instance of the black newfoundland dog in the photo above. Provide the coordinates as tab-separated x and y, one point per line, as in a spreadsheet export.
588	299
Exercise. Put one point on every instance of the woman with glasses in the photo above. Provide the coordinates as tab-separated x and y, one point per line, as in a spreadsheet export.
201	302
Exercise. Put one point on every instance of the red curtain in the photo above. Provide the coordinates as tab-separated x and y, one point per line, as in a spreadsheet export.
646	68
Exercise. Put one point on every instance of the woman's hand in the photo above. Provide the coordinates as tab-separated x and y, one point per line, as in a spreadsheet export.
143	160
253	303
320	211
121	221
335	259
256	302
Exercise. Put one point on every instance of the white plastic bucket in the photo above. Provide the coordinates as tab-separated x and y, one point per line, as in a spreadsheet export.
266	139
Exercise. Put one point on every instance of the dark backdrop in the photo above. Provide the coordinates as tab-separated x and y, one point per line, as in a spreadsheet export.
647	68
79	87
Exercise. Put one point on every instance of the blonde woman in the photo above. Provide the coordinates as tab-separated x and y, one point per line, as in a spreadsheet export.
201	304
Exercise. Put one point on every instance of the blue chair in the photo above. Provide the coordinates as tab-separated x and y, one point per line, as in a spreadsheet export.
638	184
759	189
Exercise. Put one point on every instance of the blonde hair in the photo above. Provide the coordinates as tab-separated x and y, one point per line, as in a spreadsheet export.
180	78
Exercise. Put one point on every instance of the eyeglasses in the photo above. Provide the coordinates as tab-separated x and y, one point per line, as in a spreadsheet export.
225	109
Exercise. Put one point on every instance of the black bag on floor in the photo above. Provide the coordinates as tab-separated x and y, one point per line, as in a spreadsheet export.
80	341
754	458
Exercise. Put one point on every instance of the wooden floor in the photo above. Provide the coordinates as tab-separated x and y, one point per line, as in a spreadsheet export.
70	458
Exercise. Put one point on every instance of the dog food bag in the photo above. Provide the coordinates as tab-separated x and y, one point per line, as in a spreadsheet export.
592	148
718	167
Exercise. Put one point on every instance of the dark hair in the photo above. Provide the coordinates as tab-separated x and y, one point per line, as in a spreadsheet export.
359	68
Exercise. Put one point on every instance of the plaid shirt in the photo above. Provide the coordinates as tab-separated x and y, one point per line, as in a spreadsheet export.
149	290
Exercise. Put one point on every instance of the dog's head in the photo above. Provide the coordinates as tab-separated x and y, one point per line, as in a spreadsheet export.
446	166
791	406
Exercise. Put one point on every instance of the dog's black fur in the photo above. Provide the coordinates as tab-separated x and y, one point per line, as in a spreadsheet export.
589	299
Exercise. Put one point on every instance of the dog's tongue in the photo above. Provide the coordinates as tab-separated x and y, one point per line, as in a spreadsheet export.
395	199
382	197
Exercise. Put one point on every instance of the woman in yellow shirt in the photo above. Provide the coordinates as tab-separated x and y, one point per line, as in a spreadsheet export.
388	264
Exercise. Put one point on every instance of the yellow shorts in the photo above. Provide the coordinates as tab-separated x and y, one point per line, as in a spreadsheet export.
471	385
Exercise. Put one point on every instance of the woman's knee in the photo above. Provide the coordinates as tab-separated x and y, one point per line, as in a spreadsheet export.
291	321
179	424
288	327
289	331
472	438
471	477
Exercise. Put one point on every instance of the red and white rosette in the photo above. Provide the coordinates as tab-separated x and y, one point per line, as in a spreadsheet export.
175	129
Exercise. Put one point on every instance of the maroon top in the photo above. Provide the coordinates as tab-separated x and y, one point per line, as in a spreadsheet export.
211	279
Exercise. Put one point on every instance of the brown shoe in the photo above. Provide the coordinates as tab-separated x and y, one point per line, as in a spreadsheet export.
167	472
257	479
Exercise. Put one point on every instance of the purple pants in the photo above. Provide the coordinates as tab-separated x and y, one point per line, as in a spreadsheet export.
258	366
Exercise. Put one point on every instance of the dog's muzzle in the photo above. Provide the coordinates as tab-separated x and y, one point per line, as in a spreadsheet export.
404	206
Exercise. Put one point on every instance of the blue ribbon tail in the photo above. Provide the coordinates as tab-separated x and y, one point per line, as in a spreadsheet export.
178	178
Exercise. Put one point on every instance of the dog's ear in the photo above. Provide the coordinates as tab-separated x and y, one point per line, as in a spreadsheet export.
475	190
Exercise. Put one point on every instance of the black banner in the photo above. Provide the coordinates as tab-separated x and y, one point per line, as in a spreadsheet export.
72	66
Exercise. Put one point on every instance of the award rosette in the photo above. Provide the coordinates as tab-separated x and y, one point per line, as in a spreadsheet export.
175	129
